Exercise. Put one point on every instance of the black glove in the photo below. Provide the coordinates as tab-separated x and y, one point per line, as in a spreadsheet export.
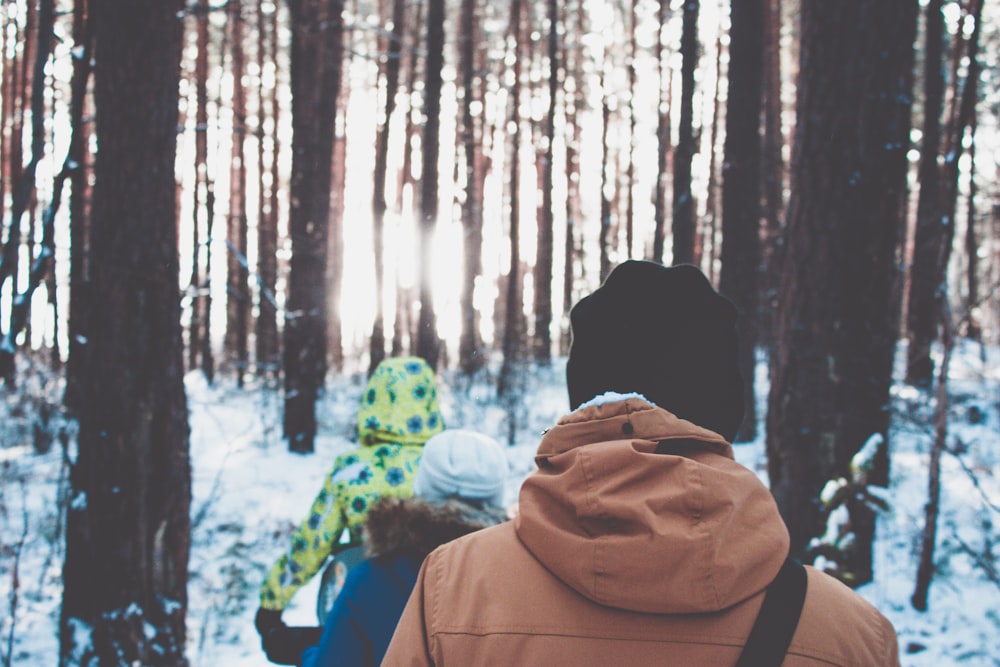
285	645
267	620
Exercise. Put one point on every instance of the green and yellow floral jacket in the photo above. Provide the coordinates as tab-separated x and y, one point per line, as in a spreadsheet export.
399	412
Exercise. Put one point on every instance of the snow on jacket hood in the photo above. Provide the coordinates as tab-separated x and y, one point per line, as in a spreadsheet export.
687	530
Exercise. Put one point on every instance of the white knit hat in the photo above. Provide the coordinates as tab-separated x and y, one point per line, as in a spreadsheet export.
463	464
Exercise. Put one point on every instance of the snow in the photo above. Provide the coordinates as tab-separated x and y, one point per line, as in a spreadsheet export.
249	492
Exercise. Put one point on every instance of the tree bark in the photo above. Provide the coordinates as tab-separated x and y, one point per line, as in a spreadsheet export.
832	362
513	301
471	353
266	326
683	226
545	249
741	191
237	269
427	335
315	77
662	138
921	310
79	204
380	207
128	528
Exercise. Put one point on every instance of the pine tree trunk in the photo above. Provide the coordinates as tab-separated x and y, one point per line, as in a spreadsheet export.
315	77
545	249
706	238
772	171
427	336
237	270
683	226
832	362
79	204
267	230
513	303
741	191
662	137
128	528
471	353
266	328
922	307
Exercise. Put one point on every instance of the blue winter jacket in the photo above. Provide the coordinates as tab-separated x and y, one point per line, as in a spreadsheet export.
398	534
364	615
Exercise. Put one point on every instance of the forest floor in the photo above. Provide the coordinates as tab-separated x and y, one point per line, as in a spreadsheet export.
249	492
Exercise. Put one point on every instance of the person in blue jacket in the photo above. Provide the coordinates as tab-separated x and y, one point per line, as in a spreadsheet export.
458	489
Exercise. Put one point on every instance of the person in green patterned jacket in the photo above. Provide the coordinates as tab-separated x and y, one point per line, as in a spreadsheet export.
399	412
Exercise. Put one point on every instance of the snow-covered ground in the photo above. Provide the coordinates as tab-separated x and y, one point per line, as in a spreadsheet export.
249	493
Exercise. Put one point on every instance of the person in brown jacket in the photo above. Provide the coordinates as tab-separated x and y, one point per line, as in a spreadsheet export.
639	540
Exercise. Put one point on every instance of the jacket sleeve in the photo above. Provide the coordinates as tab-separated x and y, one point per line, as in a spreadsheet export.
410	645
310	545
343	641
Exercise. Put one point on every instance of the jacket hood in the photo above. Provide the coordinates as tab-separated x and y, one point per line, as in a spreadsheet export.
637	509
415	527
400	404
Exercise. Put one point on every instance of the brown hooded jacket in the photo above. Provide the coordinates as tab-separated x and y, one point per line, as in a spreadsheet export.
639	541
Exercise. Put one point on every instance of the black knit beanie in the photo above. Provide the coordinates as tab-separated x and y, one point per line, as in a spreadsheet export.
664	333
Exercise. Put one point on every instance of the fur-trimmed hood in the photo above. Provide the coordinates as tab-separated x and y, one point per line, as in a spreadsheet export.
415	527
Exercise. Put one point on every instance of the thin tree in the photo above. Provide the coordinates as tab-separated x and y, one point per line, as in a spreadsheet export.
315	82
338	203
427	335
237	270
24	191
513	300
128	530
741	191
832	361
546	232
266	325
772	170
574	100
928	538
604	239
683	225
471	353
200	74
707	231
390	74
922	316
662	133
974	327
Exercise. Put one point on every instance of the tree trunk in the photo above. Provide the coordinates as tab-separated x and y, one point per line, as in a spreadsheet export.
662	138
379	205
741	191
683	226
832	362
605	237
772	172
973	326
237	269
471	352
513	304
922	318
266	331
925	566
315	77
545	249
711	196
128	528
79	204
427	336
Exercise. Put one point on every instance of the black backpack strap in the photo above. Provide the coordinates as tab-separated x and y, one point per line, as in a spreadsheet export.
779	615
